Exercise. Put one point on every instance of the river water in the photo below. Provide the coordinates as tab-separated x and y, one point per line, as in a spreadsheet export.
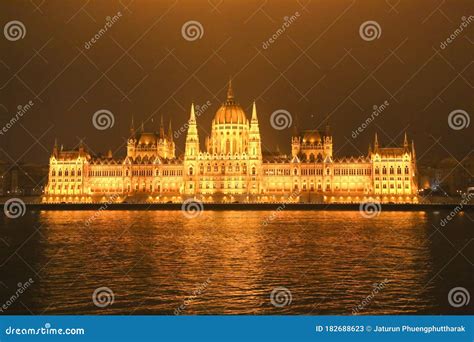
234	262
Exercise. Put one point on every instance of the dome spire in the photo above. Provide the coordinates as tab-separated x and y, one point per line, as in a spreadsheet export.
230	92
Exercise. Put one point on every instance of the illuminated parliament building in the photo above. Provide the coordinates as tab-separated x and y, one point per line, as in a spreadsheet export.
232	168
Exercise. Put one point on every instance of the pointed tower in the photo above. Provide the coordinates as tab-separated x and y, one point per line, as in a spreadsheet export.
230	94
132	128
255	145
192	139
170	132
171	144
132	140
162	129
328	147
376	142
191	154
55	147
296	139
405	142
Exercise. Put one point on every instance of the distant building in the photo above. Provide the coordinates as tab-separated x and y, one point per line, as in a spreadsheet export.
232	168
22	179
448	176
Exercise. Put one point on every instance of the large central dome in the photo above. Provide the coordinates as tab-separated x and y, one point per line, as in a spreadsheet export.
230	112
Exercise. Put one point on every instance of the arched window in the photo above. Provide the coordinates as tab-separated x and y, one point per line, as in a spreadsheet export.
384	170
222	168
407	171
66	172
60	173
253	170
73	173
191	171
391	170
53	173
377	170
227	146
399	170
208	167
201	168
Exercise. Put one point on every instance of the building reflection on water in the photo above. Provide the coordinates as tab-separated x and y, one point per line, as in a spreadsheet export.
154	261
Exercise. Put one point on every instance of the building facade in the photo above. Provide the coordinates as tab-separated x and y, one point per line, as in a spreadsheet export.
232	168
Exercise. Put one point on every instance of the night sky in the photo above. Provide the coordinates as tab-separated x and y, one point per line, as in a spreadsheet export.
320	68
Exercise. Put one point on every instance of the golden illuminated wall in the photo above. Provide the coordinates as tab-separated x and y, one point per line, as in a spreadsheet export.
232	168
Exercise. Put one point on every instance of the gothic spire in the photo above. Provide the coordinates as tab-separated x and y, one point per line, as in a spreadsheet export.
132	127
170	132
376	142
192	117
254	113
162	128
230	91
405	141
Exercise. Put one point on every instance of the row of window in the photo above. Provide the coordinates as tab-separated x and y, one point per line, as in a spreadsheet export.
105	173
391	170
352	172
392	178
392	186
66	173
